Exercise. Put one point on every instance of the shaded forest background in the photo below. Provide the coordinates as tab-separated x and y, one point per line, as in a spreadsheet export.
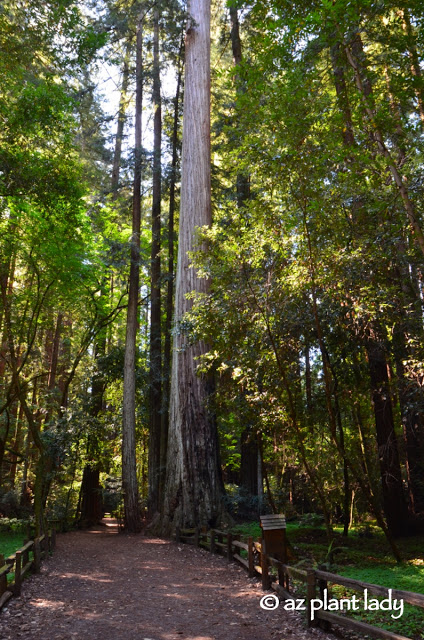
314	313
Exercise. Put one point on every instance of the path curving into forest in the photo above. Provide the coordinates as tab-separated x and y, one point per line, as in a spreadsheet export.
102	585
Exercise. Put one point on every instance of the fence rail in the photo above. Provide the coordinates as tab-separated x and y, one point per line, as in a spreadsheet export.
259	563
27	558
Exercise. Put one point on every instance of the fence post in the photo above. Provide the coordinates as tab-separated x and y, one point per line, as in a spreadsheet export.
264	567
325	625
18	570
196	536
25	555
229	547
310	595
212	542
53	543
37	555
250	557
177	534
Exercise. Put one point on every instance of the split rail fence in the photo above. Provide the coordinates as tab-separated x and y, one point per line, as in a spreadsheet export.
27	558
258	563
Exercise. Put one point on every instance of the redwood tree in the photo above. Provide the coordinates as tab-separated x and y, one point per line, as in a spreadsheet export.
129	469
193	488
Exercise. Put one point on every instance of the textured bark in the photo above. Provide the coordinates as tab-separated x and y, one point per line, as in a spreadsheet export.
129	466
193	483
155	281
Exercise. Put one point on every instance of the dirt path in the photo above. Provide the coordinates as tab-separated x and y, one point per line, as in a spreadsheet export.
101	585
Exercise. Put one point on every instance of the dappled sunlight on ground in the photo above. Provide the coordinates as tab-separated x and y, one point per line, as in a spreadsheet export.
50	604
122	587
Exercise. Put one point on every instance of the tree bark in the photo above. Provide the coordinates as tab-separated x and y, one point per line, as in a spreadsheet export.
155	294
129	466
193	489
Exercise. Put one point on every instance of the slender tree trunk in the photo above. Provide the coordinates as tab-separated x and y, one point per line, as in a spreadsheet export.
248	462
129	466
194	487
155	294
167	354
123	104
248	439
17	447
243	182
308	379
91	497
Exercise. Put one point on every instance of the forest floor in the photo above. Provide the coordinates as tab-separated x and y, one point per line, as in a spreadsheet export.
103	585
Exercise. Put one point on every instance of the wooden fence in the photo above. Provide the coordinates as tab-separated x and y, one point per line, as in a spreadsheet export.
259	563
27	558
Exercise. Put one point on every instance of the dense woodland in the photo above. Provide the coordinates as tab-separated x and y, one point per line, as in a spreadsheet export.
235	329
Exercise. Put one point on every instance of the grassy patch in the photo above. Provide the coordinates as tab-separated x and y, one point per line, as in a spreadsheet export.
10	542
365	556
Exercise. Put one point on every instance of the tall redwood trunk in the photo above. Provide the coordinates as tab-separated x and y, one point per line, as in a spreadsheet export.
193	488
129	466
155	297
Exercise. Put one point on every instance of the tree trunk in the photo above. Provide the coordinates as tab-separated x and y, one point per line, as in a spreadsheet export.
243	182
388	453
167	355
193	489
123	103
248	441
155	297
129	466
91	498
249	462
